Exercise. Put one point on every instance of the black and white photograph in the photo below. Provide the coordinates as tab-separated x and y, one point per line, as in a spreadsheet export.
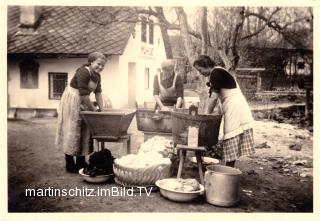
155	108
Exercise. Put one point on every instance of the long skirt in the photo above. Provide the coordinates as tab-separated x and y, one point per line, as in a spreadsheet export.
240	145
72	134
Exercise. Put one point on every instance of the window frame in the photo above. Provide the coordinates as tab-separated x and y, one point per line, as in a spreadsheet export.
50	77
29	68
146	78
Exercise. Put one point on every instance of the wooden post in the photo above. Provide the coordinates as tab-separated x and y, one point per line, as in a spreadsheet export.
308	85
258	82
307	108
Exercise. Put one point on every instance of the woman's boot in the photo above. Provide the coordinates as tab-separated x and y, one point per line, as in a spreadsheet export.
81	162
70	165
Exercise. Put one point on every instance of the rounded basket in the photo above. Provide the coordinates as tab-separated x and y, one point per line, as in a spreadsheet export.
141	176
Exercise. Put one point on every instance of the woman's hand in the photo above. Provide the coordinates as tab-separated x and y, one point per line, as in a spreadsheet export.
87	103
164	108
179	103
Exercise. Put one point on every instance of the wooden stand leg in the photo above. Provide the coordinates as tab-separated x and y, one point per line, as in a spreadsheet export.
199	162
102	145
182	155
128	145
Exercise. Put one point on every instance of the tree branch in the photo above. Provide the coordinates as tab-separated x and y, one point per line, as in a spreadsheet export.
204	31
147	12
295	21
185	34
236	37
263	27
164	33
279	29
164	21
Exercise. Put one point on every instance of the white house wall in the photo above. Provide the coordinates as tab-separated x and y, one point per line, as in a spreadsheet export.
114	76
111	82
133	53
39	97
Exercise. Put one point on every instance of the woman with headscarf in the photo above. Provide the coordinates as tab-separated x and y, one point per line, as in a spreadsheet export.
72	134
238	121
168	87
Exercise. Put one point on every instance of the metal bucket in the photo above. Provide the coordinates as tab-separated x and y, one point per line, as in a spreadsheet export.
222	185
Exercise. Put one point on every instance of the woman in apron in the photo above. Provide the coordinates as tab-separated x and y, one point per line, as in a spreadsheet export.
72	134
238	121
168	87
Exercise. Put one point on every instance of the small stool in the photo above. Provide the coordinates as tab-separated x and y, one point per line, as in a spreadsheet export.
182	151
125	139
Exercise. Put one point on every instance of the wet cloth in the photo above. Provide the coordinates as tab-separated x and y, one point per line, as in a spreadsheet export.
240	145
72	134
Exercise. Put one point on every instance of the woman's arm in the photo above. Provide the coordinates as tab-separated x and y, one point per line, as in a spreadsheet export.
179	90
86	100
158	101
212	102
99	100
156	92
179	102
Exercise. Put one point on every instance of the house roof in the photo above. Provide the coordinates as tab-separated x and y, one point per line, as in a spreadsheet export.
73	30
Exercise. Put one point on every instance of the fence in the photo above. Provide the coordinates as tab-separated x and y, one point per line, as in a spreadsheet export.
249	80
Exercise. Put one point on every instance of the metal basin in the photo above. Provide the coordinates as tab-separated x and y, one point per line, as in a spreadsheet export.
150	121
178	196
95	179
112	123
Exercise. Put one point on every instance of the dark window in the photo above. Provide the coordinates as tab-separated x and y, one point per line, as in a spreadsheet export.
143	29
300	65
151	31
57	84
29	73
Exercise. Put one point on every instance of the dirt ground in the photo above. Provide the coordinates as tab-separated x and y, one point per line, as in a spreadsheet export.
278	178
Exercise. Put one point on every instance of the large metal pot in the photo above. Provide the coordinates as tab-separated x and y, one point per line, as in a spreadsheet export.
222	185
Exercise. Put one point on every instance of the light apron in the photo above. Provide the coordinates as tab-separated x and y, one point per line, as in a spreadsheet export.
72	134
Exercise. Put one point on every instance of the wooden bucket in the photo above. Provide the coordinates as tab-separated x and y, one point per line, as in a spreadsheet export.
112	123
208	124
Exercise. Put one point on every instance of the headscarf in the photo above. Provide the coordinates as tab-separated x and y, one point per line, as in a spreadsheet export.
167	67
95	55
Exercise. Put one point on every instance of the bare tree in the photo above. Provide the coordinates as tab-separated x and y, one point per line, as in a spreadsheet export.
204	31
224	32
